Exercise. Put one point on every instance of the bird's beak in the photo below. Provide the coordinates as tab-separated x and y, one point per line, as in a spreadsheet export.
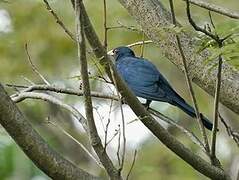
110	53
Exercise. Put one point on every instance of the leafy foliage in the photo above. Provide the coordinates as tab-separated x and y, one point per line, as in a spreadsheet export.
230	49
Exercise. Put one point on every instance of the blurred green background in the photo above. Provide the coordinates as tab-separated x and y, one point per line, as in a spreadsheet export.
25	21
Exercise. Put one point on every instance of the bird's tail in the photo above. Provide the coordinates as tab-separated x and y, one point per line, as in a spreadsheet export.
190	111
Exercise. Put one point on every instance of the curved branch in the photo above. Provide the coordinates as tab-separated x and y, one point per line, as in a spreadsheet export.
153	18
215	8
57	89
49	161
45	97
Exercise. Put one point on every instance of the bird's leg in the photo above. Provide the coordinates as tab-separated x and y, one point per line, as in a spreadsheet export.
122	100
146	105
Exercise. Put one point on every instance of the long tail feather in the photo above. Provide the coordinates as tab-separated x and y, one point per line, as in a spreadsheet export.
190	111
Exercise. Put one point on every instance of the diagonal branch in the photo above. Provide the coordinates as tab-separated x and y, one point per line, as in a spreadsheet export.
58	21
49	161
46	97
56	89
215	8
189	83
219	42
94	137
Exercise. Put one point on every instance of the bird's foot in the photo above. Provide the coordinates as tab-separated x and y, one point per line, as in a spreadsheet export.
146	106
122	100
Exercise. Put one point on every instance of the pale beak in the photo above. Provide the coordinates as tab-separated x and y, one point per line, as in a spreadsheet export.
110	53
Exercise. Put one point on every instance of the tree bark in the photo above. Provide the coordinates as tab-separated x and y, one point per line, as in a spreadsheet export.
49	161
155	21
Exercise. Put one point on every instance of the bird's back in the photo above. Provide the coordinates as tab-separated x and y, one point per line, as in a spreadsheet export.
144	78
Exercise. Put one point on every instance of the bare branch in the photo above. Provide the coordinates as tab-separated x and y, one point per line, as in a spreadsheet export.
134	44
123	26
105	24
46	97
216	106
189	83
56	89
233	134
58	21
142	46
76	141
132	165
94	137
48	160
168	120
196	27
107	125
215	8
219	41
123	123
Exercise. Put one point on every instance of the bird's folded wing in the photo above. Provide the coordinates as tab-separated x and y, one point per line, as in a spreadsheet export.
142	77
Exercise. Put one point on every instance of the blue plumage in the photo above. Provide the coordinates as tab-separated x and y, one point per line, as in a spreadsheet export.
147	82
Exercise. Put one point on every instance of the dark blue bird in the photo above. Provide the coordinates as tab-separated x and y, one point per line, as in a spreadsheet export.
144	79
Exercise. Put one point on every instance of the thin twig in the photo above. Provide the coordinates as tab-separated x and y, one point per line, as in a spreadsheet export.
118	148
196	27
219	41
123	26
168	120
34	68
233	134
46	97
138	43
76	141
123	122
28	80
107	125
115	134
215	8
132	165
210	17
58	21
56	89
142	46
105	24
216	106
189	83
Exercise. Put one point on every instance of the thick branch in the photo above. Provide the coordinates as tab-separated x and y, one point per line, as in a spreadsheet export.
153	18
33	145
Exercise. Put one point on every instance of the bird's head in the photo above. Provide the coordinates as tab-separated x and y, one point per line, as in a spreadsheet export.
122	51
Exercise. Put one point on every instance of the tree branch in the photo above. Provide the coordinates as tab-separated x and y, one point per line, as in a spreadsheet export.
215	8
94	137
45	97
49	161
56	89
189	83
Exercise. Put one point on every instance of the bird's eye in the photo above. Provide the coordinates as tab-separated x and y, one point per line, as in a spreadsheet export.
115	51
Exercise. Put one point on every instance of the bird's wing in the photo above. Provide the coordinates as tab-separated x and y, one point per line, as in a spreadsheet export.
142	77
